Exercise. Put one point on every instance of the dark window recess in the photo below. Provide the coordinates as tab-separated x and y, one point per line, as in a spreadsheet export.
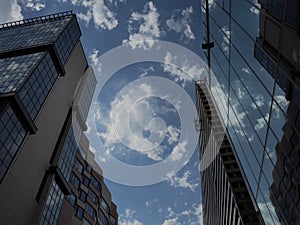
93	196
104	205
82	195
74	180
68	155
95	183
71	199
79	212
78	165
85	181
89	209
103	218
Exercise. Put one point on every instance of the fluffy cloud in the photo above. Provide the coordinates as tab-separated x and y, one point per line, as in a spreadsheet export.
225	43
35	5
132	114
255	9
261	122
98	12
148	31
183	182
192	216
259	101
182	24
10	11
183	71
173	221
128	219
94	56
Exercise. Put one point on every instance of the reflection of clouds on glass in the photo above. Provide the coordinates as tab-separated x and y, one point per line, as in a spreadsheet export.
225	43
211	5
259	101
282	102
266	209
261	122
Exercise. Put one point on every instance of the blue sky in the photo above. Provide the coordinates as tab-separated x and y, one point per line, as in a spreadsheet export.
137	92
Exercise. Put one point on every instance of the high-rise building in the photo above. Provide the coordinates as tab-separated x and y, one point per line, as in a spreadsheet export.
226	199
253	51
46	87
277	48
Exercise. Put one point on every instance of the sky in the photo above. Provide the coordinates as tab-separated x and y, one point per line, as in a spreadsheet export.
146	56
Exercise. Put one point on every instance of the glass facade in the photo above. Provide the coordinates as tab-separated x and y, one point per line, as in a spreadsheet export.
36	88
259	115
12	134
52	207
14	70
68	155
91	201
35	34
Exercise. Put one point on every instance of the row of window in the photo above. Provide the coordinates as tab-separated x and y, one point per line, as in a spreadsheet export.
53	206
67	40
32	35
68	155
37	87
12	134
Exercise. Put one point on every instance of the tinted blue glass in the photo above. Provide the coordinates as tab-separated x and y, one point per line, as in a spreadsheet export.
14	70
53	206
36	34
68	155
12	134
67	40
37	87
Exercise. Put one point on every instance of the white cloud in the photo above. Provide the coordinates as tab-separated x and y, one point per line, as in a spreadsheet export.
173	134
225	43
283	103
98	12
179	151
128	219
191	216
261	122
173	221
255	10
259	101
127	108
36	5
211	5
95	61
183	71
182	182
146	71
268	212
147	32
182	24
246	70
10	11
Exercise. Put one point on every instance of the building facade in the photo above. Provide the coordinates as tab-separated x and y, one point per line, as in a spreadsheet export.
46	89
226	199
252	49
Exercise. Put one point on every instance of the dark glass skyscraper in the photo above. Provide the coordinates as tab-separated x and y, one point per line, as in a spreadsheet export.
253	51
46	87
